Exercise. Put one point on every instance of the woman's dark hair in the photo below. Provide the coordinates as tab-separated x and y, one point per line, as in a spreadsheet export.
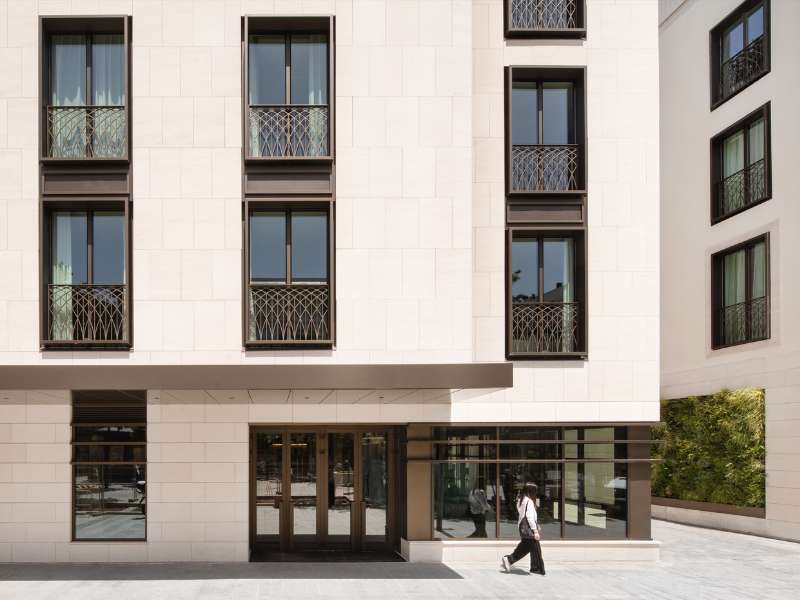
531	490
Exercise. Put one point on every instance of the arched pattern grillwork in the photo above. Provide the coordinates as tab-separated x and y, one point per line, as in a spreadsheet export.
87	313
539	168
742	188
289	313
544	14
544	327
742	68
86	132
743	322
288	131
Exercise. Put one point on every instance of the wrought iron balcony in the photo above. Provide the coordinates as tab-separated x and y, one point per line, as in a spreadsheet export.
743	322
544	327
288	131
742	68
540	168
544	15
741	189
79	132
289	314
87	314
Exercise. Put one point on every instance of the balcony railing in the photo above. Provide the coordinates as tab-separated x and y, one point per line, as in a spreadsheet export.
527	15
741	189
287	314
742	68
743	322
539	168
288	131
544	327
86	132
87	314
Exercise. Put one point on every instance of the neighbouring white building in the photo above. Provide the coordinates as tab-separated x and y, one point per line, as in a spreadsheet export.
280	276
728	296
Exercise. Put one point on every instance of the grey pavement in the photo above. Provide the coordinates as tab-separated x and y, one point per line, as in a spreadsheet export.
695	564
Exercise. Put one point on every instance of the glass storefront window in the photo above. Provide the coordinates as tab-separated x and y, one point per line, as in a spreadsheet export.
595	500
513	477
580	473
461	505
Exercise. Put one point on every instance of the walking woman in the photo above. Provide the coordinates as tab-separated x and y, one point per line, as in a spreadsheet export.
528	532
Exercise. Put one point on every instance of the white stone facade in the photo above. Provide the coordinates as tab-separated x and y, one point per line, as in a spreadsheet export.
420	225
689	365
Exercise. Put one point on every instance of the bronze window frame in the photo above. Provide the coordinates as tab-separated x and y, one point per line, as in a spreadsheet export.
287	206
84	25
287	25
540	76
577	33
717	288
132	399
89	205
740	13
717	158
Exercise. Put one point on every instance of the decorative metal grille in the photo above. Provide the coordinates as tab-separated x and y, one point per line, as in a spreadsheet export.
544	14
288	131
742	68
538	168
87	313
550	327
86	132
742	188
289	313
743	322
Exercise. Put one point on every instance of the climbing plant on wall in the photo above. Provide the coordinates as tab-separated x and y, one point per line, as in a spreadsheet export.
712	448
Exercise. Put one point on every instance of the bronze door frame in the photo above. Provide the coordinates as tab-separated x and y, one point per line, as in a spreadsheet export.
286	538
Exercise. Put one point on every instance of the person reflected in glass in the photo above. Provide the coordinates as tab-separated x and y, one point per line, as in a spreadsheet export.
478	507
528	532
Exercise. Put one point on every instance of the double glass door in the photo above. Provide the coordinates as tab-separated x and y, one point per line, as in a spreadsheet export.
319	488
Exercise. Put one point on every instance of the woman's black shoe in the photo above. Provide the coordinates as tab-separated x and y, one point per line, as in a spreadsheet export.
537	571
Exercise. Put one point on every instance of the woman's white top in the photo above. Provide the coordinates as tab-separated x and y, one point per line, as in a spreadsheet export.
526	508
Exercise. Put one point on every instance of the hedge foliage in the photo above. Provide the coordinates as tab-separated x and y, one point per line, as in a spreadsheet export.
713	448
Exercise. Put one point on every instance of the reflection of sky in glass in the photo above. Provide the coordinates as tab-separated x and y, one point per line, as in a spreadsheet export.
268	246
524	114
733	41
108	250
557	270
266	66
555	108
525	268
755	25
309	246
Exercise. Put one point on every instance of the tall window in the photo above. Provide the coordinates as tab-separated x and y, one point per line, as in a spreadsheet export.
544	307
288	95
86	114
545	131
741	293
289	265
109	463
740	164
740	49
87	294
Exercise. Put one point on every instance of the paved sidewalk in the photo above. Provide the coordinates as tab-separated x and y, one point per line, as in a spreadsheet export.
696	564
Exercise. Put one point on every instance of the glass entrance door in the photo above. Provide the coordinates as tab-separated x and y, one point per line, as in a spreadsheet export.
320	489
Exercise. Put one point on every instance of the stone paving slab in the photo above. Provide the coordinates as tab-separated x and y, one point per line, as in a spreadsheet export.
696	564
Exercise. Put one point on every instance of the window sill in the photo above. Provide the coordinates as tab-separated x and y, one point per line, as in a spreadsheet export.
733	213
84	345
548	356
289	345
720	101
578	33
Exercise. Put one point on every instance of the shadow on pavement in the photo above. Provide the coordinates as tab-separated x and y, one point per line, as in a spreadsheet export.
202	571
